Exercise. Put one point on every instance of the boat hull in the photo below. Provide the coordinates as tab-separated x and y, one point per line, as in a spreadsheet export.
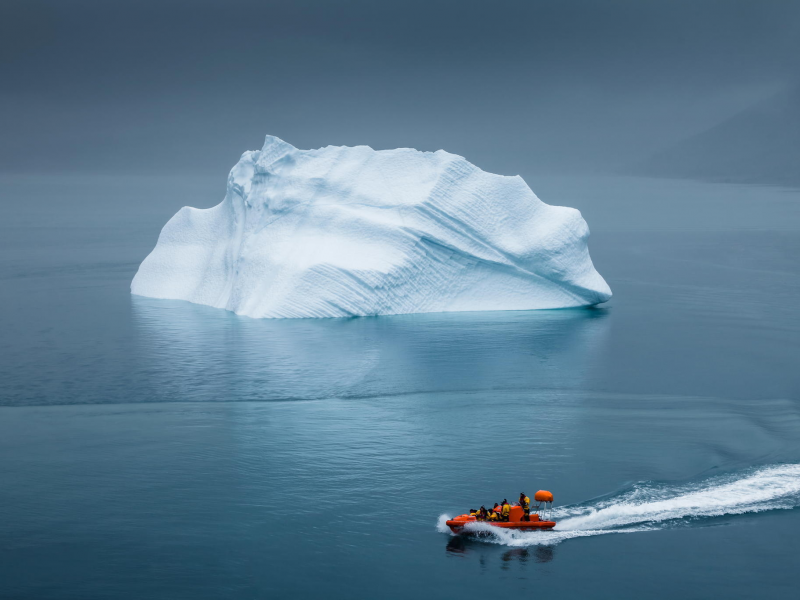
458	525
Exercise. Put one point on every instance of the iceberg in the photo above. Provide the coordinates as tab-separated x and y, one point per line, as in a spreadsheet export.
351	231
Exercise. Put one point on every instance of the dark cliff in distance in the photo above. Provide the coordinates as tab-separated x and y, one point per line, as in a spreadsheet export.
758	145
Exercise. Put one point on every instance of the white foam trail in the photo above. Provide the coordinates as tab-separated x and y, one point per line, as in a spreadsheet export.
647	507
508	537
764	489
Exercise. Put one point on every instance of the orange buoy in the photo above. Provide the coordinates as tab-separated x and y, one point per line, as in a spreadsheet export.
543	496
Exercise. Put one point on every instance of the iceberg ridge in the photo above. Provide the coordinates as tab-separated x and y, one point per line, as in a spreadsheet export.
351	231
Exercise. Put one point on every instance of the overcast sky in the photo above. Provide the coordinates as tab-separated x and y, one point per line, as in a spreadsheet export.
515	86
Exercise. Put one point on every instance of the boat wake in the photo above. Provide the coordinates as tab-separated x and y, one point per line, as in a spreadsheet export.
649	506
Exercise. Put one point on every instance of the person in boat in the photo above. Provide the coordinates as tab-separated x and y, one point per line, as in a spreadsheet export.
506	511
525	503
494	514
483	514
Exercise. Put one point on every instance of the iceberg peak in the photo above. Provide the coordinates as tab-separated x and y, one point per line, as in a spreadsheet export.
345	231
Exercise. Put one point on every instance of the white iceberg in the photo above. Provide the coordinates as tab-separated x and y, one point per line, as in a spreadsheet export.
340	232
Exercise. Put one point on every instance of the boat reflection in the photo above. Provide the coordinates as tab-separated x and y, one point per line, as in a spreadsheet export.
464	545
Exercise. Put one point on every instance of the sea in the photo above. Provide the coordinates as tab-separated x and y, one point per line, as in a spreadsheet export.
165	450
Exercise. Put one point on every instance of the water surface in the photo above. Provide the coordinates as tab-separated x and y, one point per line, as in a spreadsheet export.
165	450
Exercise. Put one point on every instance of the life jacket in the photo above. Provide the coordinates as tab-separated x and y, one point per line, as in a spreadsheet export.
525	503
506	509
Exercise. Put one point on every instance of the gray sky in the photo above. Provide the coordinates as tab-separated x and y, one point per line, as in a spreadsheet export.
516	87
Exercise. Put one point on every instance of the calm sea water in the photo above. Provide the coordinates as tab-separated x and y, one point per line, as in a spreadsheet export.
158	449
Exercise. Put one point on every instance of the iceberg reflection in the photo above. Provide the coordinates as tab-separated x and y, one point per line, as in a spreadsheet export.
197	353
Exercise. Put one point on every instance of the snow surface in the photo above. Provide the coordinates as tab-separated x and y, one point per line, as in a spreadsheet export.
340	231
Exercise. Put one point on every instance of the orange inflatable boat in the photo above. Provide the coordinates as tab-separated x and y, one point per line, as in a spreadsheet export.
540	511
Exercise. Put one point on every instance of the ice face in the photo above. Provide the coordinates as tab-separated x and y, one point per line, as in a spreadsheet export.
340	231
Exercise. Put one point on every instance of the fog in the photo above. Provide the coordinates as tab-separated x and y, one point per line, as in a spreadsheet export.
515	86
